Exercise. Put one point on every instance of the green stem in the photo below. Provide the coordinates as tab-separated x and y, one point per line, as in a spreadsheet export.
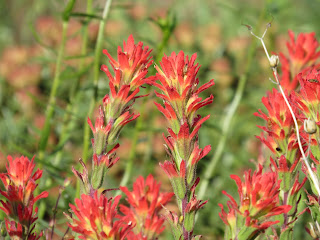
96	69
226	124
71	109
52	99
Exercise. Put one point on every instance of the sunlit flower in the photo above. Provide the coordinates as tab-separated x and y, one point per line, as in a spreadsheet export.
19	183
96	217
303	55
179	86
145	202
259	200
130	72
281	138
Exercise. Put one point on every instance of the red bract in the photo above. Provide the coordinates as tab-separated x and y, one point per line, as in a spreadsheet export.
179	86
145	202
308	98
15	231
96	218
259	200
281	138
302	55
19	183
131	67
130	73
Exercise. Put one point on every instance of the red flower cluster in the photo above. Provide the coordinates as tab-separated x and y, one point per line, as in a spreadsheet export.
303	55
96	218
145	202
281	138
180	93
130	74
259	200
20	184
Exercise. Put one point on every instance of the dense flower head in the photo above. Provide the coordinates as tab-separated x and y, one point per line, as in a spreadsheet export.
307	101
131	67
308	98
19	183
145	202
259	200
179	87
96	217
303	55
129	75
281	138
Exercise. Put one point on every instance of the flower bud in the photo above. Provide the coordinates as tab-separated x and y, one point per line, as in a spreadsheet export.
310	126
274	61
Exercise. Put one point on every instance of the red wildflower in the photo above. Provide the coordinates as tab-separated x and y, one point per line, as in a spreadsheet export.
308	98
95	218
259	200
145	202
19	183
179	86
281	138
131	67
303	55
15	231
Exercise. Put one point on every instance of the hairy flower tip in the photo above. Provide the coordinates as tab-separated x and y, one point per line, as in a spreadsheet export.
179	84
303	55
259	200
96	217
145	202
132	65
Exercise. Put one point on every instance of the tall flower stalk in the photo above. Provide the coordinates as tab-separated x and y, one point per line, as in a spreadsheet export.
179	90
129	74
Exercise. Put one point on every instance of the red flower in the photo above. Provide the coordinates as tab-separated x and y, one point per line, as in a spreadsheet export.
15	231
95	218
19	183
308	98
302	55
145	202
259	200
131	67
179	86
281	138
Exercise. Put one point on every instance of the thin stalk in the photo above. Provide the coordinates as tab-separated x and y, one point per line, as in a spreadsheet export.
52	99
71	109
226	125
96	69
55	212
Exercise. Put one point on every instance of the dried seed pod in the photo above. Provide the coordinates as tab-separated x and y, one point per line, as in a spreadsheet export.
310	126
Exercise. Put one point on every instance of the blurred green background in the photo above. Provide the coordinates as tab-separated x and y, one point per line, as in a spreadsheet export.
30	35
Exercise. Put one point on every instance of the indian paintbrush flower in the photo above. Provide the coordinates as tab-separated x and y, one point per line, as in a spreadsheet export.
179	88
145	202
259	201
303	55
20	183
96	217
